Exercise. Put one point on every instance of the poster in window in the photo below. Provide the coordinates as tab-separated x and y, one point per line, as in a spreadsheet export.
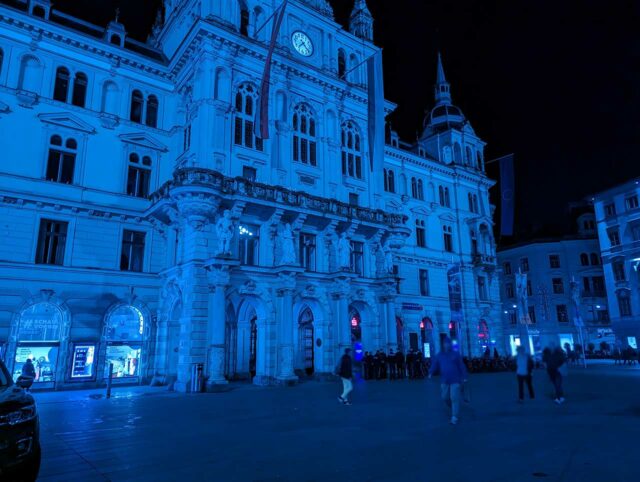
83	358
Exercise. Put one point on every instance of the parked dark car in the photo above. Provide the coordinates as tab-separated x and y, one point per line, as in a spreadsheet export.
19	430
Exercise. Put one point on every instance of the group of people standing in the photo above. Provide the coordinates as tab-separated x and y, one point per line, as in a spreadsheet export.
453	373
393	366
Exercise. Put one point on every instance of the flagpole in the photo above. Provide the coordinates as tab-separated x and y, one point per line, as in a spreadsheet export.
498	159
275	12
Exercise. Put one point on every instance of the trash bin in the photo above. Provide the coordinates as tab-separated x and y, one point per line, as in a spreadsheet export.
197	377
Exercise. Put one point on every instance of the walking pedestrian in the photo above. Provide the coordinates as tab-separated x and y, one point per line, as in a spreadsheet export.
345	373
453	374
524	372
554	359
28	372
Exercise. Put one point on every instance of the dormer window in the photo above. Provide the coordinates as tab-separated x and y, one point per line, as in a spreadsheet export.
115	40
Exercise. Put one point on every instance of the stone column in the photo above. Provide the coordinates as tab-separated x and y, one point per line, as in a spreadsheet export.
287	282
390	315
218	276
340	294
281	152
194	211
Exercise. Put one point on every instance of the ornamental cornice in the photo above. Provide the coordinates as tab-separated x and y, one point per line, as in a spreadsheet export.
61	207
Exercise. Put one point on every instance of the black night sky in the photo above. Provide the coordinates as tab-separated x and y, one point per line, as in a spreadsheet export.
555	82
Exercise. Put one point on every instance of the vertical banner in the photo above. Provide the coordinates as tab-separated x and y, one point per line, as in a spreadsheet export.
507	187
523	311
454	282
376	111
261	120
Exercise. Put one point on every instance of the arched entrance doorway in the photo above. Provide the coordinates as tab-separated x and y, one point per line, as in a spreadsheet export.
306	340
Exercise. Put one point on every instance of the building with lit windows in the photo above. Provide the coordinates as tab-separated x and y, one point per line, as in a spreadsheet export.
618	217
147	230
551	266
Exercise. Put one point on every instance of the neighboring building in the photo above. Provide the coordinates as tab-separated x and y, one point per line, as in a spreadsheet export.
551	265
618	217
145	227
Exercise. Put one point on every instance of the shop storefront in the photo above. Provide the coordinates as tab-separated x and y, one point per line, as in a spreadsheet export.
124	340
38	336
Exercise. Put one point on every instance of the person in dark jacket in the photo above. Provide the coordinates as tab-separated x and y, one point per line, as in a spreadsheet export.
400	363
391	363
28	370
346	373
453	374
554	358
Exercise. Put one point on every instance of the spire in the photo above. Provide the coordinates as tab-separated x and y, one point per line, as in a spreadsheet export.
361	21
443	94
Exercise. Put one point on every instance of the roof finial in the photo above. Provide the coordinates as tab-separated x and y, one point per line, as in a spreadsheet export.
443	95
361	21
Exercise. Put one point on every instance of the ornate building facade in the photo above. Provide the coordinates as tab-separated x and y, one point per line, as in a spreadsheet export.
147	230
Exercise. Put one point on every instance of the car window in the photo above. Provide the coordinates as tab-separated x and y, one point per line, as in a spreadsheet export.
4	377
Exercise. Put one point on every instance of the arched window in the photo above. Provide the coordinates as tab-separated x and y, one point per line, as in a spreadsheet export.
110	98
595	259
351	151
421	233
354	69
79	89
473	203
469	156
444	196
30	74
304	135
61	159
124	333
139	176
152	111
457	153
137	105
447	235
584	259
420	190
342	63
244	19
115	40
624	302
478	160
474	242
389	180
246	98
61	85
38	11
414	188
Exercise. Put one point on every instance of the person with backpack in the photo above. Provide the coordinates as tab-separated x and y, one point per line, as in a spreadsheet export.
345	372
554	359
448	363
524	372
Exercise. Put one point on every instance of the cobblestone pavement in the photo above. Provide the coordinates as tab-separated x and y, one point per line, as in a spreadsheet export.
394	431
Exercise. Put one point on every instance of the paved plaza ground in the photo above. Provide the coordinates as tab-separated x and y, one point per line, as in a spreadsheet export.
395	431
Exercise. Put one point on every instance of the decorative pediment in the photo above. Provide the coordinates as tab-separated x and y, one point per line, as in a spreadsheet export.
70	121
143	140
420	211
394	206
448	217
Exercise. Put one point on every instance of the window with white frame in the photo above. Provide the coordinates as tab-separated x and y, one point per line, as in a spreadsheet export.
248	244
351	150
443	193
482	288
308	251
447	234
357	257
624	302
389	180
421	233
132	253
61	159
52	240
144	112
139	175
245	104
417	189
304	136
424	282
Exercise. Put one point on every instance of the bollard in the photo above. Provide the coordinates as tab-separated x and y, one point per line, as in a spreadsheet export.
109	380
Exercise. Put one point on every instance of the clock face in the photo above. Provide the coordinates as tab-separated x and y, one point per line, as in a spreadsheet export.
302	43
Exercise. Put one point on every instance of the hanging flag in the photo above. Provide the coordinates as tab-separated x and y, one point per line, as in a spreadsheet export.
261	122
376	111
507	187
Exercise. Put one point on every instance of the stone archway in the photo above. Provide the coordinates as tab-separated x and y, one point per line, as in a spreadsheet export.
306	341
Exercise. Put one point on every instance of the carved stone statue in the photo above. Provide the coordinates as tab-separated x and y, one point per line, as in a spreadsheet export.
288	250
344	252
388	257
224	229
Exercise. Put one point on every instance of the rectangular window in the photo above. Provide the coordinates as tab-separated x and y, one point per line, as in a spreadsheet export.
513	317
421	236
344	163
509	290
562	314
614	237
357	257
52	239
424	282
532	313
597	283
529	288
248	134
353	199
186	142
249	173
618	271
610	210
313	160
60	166
308	251
132	256
624	303
554	261
631	202
248	244
558	286
482	288
602	316
138	182
524	265
507	268
237	132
